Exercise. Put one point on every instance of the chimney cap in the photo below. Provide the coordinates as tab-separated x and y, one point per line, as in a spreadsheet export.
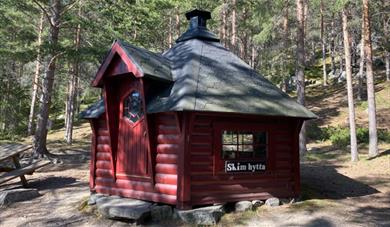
200	13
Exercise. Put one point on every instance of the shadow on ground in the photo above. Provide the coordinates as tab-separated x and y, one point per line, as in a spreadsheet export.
324	182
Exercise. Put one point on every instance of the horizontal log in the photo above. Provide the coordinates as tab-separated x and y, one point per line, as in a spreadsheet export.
166	189
168	139
216	193
103	156
103	148
201	168
241	187
283	164
125	184
198	200
166	168
166	178
201	139
201	158
124	176
225	178
166	158
103	140
201	149
167	129
102	122
167	148
155	197
106	173
103	164
103	132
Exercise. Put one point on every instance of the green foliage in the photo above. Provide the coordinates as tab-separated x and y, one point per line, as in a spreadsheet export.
340	137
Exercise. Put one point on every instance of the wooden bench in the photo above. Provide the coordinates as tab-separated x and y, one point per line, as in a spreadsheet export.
12	151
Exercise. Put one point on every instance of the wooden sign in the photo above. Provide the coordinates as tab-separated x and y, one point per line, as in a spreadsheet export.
244	166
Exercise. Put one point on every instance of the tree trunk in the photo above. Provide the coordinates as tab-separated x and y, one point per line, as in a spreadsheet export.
373	146
170	32
286	73
233	40
72	88
224	24
332	48
300	69
36	77
360	75
348	69
386	39
325	75
177	23
47	82
387	61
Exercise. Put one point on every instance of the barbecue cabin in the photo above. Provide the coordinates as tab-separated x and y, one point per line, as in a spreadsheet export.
192	126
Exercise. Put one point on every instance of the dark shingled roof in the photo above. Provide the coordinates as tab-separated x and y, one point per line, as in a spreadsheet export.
93	111
152	64
207	77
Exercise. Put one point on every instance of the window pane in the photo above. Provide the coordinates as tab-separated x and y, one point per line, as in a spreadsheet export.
247	138
133	107
260	138
227	137
229	151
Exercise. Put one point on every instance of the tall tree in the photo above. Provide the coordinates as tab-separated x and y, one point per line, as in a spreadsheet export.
36	76
300	75
72	86
348	69
234	25
323	42
386	38
360	74
53	15
373	146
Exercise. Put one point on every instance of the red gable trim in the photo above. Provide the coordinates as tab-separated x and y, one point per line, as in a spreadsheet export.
130	64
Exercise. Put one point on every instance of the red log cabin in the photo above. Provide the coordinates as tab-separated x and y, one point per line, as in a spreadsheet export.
192	126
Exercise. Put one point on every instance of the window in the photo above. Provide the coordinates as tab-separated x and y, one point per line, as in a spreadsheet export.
132	108
244	145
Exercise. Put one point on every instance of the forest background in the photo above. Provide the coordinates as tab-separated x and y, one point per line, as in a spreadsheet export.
51	50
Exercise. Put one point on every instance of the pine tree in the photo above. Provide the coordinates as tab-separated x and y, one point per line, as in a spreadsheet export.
348	69
373	146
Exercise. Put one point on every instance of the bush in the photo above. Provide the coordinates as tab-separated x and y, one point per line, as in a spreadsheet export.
339	137
362	135
384	135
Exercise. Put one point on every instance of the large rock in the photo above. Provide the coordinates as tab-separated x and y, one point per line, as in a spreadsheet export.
161	212
256	204
16	195
123	208
272	202
93	198
202	216
243	206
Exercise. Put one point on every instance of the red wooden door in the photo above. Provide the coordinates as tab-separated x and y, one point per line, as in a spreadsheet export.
132	156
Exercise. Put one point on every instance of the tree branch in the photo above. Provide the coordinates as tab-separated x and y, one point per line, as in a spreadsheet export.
67	7
44	11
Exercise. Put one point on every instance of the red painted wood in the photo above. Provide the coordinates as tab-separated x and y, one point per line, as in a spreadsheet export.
167	189
167	148
116	52
155	197
166	178
209	186
166	158
92	172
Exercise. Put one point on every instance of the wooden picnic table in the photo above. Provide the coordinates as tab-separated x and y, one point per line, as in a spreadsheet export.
12	152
